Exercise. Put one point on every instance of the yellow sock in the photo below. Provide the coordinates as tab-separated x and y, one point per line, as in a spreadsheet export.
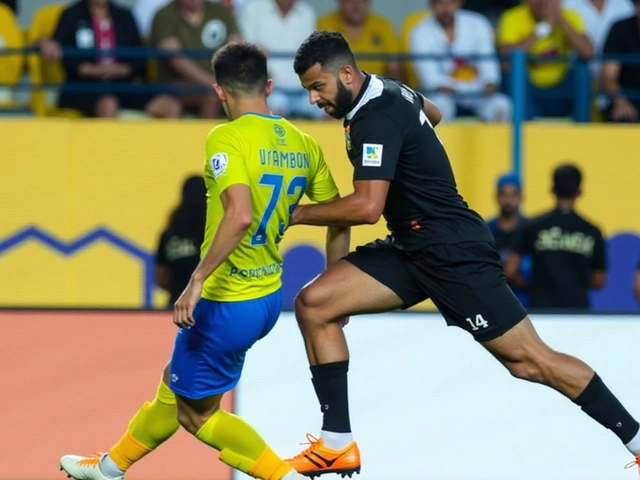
154	423
241	447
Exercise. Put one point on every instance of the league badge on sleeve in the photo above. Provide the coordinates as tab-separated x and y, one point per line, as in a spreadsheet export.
219	164
372	155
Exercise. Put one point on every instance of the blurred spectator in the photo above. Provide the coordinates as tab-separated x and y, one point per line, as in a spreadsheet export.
144	11
506	225
368	34
598	16
636	282
544	29
457	81
280	26
492	9
198	25
179	247
103	26
567	252
12	4
618	76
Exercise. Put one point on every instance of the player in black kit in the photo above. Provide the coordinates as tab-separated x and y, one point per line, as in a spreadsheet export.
438	248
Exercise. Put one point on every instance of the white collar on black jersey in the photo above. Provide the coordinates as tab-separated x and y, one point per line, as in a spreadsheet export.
373	90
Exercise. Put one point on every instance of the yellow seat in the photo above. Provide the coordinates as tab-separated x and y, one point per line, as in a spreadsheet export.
405	45
11	66
43	25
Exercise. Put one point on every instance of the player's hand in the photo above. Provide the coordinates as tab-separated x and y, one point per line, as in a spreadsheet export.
623	111
296	215
184	306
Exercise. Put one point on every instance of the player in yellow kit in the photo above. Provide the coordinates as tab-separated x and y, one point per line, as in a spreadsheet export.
258	166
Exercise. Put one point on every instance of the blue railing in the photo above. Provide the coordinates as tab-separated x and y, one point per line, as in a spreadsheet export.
581	91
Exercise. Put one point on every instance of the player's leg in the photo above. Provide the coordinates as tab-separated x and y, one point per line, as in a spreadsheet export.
239	444
207	361
371	279
468	287
527	357
154	423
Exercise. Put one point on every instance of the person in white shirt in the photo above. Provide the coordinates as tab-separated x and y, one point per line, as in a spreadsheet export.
598	16
279	27
456	81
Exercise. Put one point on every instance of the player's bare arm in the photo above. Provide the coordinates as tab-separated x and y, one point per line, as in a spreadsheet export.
363	207
235	222
433	112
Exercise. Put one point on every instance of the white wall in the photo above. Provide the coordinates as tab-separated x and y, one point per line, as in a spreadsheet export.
428	403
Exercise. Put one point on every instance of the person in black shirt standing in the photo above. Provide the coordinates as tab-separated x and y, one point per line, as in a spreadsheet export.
178	251
567	252
438	248
617	76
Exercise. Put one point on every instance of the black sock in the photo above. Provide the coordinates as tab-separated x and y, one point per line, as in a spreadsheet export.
599	403
330	383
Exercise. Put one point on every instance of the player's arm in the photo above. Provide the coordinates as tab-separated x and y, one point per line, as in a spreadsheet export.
377	141
236	220
431	109
364	206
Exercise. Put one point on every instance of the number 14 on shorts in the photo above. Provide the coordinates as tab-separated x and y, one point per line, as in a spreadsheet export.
477	323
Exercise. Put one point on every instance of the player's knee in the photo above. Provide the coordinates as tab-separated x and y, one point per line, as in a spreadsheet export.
307	306
525	369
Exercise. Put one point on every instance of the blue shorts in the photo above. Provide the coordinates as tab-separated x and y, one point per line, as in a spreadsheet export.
208	357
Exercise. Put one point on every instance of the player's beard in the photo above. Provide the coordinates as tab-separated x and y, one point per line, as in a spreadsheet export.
343	101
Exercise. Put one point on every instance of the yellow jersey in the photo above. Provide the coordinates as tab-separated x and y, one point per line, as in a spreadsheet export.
376	37
517	23
280	164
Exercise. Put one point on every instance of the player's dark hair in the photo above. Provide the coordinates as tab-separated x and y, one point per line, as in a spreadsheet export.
240	67
330	49
566	181
188	218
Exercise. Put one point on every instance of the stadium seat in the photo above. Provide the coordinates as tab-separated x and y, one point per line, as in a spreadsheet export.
43	102
405	48
11	66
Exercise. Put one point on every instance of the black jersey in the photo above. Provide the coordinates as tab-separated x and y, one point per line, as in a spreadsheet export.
565	249
389	137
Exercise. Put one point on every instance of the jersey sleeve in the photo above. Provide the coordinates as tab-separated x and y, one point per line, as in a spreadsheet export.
225	162
322	187
599	260
377	141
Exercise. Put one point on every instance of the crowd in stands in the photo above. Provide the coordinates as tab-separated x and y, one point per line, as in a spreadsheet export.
455	47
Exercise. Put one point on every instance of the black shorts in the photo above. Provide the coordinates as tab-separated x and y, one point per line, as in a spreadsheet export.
465	281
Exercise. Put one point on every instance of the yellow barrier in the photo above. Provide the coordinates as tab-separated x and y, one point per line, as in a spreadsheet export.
69	177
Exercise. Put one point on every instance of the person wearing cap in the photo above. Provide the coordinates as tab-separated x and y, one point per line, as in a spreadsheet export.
568	256
508	222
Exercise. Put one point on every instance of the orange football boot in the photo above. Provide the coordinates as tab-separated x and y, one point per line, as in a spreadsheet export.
635	463
318	459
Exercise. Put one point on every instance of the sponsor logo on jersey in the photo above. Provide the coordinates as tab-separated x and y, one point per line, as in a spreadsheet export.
372	155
